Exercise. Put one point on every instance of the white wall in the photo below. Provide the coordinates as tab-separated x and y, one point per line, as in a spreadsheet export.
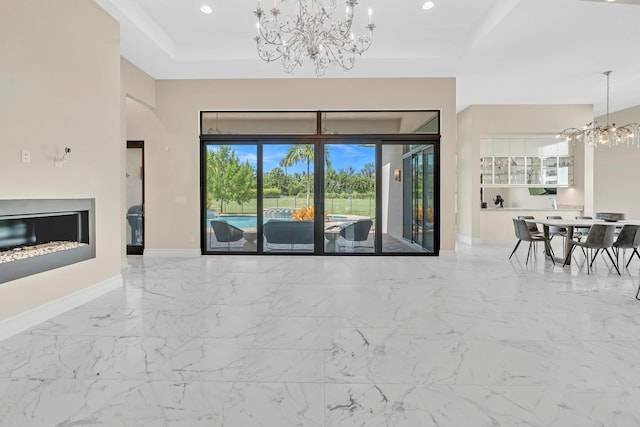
617	171
170	132
60	87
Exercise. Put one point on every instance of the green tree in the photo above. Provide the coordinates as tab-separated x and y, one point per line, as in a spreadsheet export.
228	180
303	153
368	170
276	178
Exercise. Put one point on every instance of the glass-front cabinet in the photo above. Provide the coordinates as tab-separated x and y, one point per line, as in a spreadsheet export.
524	161
518	170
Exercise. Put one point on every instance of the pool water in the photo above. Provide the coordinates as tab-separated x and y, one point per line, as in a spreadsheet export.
246	221
250	221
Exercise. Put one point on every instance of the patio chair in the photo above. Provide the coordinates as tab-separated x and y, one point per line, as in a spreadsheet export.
225	232
357	231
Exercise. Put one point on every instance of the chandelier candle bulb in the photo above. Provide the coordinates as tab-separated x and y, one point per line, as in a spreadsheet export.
370	13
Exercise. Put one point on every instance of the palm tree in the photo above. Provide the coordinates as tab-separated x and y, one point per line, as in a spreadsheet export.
303	152
283	164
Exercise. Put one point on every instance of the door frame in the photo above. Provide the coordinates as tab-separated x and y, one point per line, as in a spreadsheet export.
135	249
319	141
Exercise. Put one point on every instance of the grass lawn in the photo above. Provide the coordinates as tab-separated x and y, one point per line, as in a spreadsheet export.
333	206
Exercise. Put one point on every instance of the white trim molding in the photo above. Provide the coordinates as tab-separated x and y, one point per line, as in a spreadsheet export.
179	253
35	316
462	238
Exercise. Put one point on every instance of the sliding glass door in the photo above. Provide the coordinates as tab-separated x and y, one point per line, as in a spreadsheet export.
319	183
419	197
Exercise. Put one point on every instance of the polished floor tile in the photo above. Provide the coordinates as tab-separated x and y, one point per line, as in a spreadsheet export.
465	339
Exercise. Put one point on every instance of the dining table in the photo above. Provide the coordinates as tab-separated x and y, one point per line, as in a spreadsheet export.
570	225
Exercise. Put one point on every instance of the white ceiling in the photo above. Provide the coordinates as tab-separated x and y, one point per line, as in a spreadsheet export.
500	51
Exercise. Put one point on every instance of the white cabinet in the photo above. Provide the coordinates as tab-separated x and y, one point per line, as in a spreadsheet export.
501	148
525	161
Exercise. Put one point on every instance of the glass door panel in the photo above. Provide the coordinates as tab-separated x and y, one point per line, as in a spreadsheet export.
231	186
408	207
501	170
349	203
517	170
288	198
428	241
135	197
417	197
533	170
550	171
565	170
486	170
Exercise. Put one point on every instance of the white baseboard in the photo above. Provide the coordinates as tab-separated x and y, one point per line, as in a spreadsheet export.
28	319
180	253
124	264
464	239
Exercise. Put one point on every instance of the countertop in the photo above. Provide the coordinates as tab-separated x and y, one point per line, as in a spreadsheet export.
560	209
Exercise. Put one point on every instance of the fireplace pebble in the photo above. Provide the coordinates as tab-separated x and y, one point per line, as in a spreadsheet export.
37	250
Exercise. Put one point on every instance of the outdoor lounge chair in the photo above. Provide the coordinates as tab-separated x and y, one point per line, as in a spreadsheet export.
357	231
225	232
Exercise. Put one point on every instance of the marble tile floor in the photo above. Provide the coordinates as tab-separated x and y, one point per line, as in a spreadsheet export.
465	339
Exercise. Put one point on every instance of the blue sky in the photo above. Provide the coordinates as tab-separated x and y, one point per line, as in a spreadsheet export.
341	155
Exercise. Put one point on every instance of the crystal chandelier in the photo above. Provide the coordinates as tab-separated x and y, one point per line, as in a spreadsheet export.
312	33
611	135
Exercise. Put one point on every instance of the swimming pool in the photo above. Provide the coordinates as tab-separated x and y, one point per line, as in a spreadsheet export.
241	221
250	221
246	221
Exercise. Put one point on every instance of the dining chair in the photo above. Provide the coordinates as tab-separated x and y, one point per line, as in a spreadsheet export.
557	231
629	238
600	238
580	232
523	234
532	227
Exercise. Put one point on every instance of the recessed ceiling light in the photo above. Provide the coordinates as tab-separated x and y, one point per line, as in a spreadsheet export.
205	8
428	5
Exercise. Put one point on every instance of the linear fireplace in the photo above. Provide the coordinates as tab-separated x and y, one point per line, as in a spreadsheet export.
42	234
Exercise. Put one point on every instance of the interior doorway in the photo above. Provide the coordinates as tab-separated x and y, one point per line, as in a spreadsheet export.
135	197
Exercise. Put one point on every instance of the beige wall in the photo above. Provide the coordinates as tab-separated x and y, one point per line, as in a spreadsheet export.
489	120
137	84
60	87
170	131
617	171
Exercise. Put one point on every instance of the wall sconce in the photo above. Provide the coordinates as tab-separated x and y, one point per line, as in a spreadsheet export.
59	160
397	175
